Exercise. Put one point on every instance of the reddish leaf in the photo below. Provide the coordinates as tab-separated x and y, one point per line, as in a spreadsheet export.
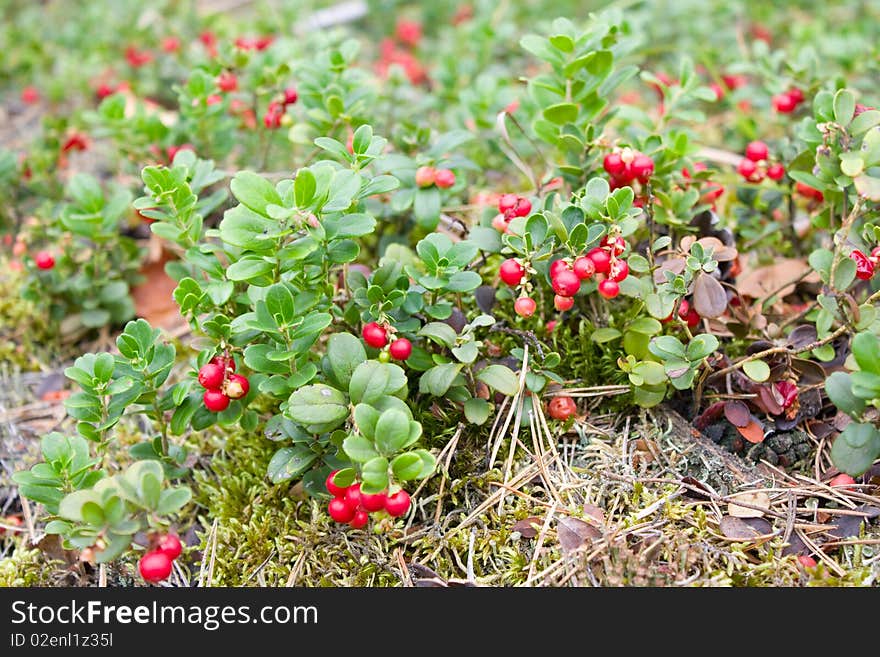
527	527
768	400
741	530
753	432
593	512
709	416
737	413
574	533
710	299
699	486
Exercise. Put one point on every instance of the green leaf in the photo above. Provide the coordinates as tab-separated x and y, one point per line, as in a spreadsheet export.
851	164
392	432
253	191
856	448
701	346
757	370
407	466
844	106
500	378
866	350
844	275
603	335
439	332
359	449
173	499
344	353
477	410
318	404
436	381
249	268
304	187
839	389
289	463
375	473
561	113
372	380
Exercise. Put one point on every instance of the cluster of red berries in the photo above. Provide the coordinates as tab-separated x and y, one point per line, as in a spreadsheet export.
137	58
428	176
788	101
510	206
350	505
44	260
155	565
376	336
626	166
221	384
755	165
687	313
866	266
561	407
275	112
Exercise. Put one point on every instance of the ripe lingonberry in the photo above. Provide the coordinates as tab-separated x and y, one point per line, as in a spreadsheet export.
44	260
776	172
211	376
500	223
557	266
692	318
511	272
373	502
226	362
784	103
360	519
864	266
444	178
747	169
374	335
601	260
400	349
810	192
583	267
525	306
171	546
807	561
397	504
353	496
333	489
609	288
562	303
522	208
339	510
614	165
566	283
507	202
425	176
616	245
757	151
796	95
215	401
842	481
561	407
618	270
290	96
237	386
227	81
155	566
642	167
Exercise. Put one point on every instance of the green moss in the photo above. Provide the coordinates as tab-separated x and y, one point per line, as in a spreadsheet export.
26	568
28	340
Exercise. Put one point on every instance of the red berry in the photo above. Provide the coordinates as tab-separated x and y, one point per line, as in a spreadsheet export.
339	510
551	325
807	561
841	481
171	44
444	178
360	519
155	566
601	260
237	386
226	362
400	349
563	303
684	308
609	288
397	504
747	169
44	260
215	401
810	192
784	103
618	270
374	335
511	272
425	176
211	376
507	202
566	283
692	318
796	95
864	266
561	407
333	489
171	546
614	165
290	96
757	151
583	267
30	95
523	207
500	223
719	91
373	502
525	306
557	266
616	245
642	167
776	172
227	81
353	496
